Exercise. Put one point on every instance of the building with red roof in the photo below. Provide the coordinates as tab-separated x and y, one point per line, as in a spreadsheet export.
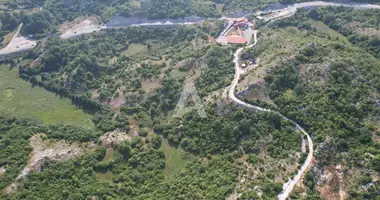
236	40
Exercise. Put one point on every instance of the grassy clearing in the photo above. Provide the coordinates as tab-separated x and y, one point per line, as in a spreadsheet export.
320	26
109	154
177	74
135	49
107	176
19	99
219	8
7	38
174	158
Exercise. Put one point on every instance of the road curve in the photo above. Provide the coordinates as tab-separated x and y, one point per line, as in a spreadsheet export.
288	187
289	9
17	44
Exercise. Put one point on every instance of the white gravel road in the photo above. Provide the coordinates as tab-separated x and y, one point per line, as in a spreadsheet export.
18	44
21	43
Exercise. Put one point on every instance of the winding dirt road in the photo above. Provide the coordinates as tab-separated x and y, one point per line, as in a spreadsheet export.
288	187
283	12
290	10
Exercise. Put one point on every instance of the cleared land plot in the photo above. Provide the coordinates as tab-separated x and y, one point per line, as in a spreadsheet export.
174	158
135	49
19	99
320	26
106	175
80	26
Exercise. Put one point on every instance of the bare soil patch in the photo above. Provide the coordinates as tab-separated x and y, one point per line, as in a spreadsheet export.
115	137
78	23
118	99
80	26
330	183
44	149
95	94
2	170
150	85
18	43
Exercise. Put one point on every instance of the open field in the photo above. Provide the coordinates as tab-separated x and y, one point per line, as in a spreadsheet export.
134	49
19	99
106	175
173	158
320	26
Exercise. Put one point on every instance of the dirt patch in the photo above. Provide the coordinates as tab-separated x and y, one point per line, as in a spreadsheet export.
18	43
95	94
118	98
46	150
150	85
2	170
78	23
273	50
134	127
330	183
114	137
80	26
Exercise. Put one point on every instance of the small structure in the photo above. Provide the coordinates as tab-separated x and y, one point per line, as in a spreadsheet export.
241	23
241	20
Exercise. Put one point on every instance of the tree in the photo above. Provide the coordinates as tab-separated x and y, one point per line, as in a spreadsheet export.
375	163
124	148
156	142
